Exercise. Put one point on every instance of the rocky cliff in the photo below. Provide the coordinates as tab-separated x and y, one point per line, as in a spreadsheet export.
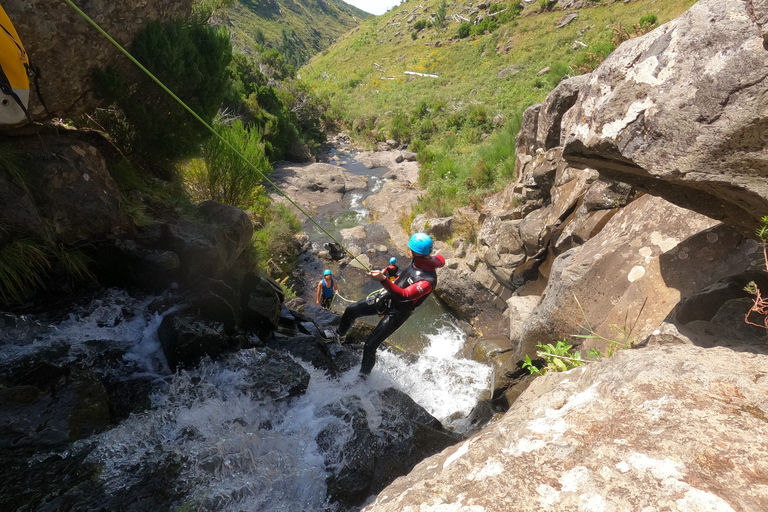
66	47
631	222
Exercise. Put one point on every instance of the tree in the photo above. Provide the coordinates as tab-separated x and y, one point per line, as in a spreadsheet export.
191	59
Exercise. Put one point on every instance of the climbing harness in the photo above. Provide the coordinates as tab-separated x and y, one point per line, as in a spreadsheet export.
214	132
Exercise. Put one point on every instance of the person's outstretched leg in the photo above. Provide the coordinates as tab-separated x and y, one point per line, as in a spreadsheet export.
390	323
352	313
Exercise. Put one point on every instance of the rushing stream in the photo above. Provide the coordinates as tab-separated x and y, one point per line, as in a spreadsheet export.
228	449
238	451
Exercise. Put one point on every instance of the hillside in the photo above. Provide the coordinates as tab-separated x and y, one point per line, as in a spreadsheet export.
299	29
507	57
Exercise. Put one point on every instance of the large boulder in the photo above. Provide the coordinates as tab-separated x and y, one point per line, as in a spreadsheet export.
681	113
665	428
626	280
362	456
67	48
314	185
67	191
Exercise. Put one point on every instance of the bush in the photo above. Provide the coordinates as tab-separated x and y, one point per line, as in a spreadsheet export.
224	176
420	25
441	14
648	20
275	244
400	130
464	30
191	59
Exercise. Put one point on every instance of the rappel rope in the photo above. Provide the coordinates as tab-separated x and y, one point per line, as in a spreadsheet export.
222	139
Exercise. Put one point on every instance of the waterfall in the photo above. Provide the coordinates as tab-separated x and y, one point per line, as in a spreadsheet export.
232	448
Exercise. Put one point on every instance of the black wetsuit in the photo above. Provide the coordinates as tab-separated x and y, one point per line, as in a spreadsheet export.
394	308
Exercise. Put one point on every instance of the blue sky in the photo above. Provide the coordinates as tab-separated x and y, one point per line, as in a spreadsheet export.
373	6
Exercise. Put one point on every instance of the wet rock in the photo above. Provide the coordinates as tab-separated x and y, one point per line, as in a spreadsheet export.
214	300
45	407
74	194
328	357
350	452
177	249
187	339
261	299
269	373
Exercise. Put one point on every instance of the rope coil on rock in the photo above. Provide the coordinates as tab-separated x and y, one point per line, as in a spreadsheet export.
216	134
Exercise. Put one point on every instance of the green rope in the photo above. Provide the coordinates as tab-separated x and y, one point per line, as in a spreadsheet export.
222	139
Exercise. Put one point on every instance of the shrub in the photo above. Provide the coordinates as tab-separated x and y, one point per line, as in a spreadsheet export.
191	59
274	244
464	30
480	173
400	129
420	25
648	20
441	14
225	176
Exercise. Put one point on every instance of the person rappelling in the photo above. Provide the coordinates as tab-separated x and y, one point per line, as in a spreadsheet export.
396	302
326	290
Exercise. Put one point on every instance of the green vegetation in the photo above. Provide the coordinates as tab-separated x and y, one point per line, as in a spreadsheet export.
191	59
26	262
760	303
222	175
277	117
562	357
559	358
297	29
462	124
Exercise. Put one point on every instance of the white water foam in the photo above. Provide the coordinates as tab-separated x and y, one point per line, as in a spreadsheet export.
237	451
439	381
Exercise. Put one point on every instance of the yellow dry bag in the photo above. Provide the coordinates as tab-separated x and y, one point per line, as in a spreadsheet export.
14	82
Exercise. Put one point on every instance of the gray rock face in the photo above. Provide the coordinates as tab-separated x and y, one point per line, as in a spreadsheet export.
74	193
440	228
649	256
313	185
67	48
681	112
669	428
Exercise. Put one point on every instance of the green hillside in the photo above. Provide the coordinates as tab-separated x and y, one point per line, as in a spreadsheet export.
297	28
463	121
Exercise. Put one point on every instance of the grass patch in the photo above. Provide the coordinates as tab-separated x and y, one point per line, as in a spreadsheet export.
471	111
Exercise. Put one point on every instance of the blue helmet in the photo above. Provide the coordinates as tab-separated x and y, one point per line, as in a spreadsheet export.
420	243
392	260
327	272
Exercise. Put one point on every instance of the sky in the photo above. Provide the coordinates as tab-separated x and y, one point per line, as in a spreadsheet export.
373	6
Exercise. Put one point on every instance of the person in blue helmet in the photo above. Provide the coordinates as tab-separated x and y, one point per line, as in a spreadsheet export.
326	290
396	303
392	269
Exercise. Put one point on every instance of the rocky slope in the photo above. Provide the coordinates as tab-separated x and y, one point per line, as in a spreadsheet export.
598	237
67	48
